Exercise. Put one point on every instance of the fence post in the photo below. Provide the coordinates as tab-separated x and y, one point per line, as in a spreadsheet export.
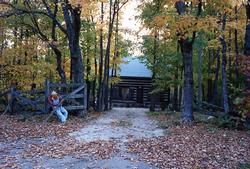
46	93
85	97
11	99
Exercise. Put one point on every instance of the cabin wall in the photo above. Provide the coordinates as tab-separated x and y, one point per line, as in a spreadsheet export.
135	92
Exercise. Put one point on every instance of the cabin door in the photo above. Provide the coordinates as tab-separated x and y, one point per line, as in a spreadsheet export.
139	95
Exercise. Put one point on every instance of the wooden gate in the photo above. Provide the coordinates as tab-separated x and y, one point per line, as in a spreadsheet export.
75	96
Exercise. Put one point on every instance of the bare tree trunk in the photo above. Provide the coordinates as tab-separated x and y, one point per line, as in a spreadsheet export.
88	73
72	17
57	52
200	57
116	55
224	71
229	53
107	55
153	95
187	54
247	35
59	68
100	87
209	80
175	99
95	78
236	47
216	79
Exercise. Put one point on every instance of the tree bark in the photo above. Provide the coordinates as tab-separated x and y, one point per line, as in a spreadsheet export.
57	52
175	99
95	78
88	73
187	54
73	24
200	57
100	87
153	95
116	55
209	80
59	68
224	71
107	55
229	53
216	79
236	47
247	35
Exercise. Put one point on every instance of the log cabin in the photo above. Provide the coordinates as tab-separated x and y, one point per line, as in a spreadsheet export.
135	85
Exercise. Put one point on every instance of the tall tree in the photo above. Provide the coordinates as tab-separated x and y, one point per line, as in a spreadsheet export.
247	35
186	45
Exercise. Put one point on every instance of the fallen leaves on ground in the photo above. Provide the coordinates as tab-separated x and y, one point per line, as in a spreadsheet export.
195	147
11	128
66	146
22	140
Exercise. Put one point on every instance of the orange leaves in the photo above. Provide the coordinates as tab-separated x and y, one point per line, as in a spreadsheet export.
194	147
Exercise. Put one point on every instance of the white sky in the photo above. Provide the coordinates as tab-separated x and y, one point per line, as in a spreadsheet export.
129	22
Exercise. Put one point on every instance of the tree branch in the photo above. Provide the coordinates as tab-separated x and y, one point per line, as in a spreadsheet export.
53	17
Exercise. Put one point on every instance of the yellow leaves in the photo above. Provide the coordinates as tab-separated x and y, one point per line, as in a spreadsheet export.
160	21
213	44
207	24
184	25
4	8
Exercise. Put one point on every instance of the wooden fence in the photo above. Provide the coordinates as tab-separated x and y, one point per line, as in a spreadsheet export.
74	94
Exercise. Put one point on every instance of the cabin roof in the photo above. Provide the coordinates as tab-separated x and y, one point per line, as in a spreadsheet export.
133	67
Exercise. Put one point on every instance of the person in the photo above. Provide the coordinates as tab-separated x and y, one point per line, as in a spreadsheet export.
56	102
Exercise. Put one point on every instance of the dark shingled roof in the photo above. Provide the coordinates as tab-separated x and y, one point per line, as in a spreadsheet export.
133	67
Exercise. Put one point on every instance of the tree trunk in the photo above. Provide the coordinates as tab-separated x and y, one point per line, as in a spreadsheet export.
95	78
247	35
230	56
224	71
72	17
175	99
187	54
216	79
200	53
59	68
153	95
57	52
107	55
100	87
236	47
116	55
209	80
180	90
88	74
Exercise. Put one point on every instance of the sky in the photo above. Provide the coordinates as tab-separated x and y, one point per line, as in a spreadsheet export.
129	22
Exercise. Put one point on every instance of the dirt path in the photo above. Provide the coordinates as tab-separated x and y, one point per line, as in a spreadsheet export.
119	125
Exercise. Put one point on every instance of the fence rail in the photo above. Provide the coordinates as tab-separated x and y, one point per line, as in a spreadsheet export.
75	96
